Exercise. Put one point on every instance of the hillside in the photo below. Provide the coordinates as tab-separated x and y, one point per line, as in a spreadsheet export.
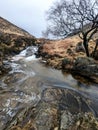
12	40
54	51
8	27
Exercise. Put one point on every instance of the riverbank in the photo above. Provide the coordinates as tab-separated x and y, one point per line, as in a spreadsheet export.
12	41
69	55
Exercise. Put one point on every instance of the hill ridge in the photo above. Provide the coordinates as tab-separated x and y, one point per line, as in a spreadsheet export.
9	28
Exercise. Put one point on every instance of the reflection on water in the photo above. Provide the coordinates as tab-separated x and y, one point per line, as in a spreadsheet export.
28	78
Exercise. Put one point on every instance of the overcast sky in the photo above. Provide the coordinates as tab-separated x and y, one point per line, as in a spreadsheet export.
27	14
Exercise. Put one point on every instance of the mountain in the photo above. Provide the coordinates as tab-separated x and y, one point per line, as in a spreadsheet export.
9	28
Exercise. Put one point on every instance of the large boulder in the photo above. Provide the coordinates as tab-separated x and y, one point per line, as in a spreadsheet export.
82	66
86	67
58	109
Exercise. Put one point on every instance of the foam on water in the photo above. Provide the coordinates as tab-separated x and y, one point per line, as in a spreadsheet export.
22	53
30	58
27	54
15	68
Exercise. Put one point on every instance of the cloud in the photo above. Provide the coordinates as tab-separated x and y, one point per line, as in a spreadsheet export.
28	14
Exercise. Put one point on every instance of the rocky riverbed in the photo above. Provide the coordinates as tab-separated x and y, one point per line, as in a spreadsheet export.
37	97
34	95
59	109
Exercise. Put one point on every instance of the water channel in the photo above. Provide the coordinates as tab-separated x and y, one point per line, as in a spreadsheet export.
28	78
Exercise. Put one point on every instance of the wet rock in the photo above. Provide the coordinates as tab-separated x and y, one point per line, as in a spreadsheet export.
46	117
4	68
84	122
87	67
12	78
82	66
58	109
67	120
67	64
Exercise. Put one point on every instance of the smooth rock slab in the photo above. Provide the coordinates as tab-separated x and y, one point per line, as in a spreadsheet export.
58	109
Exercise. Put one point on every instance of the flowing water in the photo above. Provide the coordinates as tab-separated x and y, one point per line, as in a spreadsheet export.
28	78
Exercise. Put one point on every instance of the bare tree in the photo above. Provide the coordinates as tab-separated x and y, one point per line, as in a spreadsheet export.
75	16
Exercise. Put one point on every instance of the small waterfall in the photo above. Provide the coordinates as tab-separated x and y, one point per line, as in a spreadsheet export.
27	54
23	86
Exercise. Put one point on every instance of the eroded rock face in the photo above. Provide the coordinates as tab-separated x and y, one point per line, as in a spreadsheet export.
58	109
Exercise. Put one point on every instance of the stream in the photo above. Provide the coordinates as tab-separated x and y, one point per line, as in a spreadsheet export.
29	76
